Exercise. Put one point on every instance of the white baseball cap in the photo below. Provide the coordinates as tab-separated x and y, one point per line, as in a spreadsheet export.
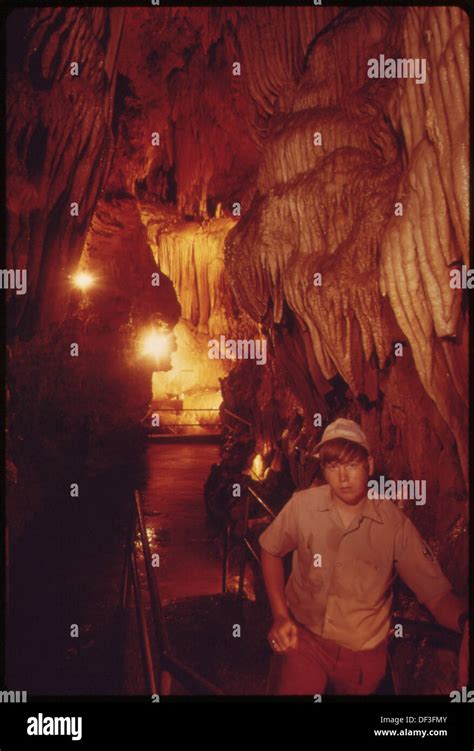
342	428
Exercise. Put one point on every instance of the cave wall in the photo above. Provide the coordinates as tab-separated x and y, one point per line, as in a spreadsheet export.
306	208
73	413
432	235
60	146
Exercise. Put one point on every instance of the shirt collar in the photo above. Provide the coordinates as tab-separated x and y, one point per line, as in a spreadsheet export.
323	499
371	512
323	503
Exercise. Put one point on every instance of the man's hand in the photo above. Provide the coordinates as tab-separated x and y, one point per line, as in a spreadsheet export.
283	634
464	656
447	609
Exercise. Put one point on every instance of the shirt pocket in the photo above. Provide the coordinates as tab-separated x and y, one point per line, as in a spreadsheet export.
311	579
368	578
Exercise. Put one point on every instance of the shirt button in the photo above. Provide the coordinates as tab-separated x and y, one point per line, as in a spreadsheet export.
338	565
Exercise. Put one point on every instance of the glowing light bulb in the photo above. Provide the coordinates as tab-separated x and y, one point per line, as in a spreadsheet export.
83	280
156	345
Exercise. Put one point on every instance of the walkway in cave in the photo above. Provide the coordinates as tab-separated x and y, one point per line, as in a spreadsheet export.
178	530
200	620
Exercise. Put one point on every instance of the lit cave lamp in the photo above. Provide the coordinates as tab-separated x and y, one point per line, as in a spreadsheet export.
156	345
83	280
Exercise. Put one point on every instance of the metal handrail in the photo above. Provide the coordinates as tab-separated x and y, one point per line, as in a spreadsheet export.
198	409
165	665
203	409
188	409
237	417
145	641
183	424
246	544
130	577
262	502
189	425
155	599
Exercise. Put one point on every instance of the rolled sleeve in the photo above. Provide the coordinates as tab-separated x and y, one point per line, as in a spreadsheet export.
417	565
280	537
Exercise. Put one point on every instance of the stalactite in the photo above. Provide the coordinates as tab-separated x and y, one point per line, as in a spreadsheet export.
322	210
192	256
419	247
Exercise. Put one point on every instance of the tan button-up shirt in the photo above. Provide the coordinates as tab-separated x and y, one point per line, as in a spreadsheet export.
340	586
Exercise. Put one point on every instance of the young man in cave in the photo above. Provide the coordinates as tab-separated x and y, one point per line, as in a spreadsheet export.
331	622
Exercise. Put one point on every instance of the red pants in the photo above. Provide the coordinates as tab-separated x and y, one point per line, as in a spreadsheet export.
317	662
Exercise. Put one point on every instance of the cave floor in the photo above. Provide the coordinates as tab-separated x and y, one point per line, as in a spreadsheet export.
176	519
201	621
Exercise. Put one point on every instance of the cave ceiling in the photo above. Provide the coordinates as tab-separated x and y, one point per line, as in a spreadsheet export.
317	154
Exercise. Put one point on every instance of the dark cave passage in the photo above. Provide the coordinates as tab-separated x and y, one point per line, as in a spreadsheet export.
238	227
